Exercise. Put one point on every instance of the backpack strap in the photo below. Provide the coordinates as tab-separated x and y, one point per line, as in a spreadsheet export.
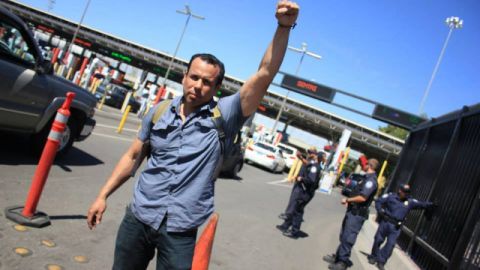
160	110
218	121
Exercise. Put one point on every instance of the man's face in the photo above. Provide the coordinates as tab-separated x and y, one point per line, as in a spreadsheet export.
199	82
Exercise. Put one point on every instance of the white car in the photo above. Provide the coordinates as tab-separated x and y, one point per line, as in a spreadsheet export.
265	155
289	154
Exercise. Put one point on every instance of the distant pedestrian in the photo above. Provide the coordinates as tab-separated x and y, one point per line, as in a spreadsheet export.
392	210
302	193
357	213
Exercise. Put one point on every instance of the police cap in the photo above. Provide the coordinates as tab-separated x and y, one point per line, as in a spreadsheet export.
405	188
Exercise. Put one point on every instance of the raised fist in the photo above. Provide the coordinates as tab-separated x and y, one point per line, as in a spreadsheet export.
287	13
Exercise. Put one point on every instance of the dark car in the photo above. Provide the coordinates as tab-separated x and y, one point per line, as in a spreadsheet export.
233	160
116	95
31	94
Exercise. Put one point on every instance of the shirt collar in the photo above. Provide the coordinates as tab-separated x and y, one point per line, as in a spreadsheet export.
209	106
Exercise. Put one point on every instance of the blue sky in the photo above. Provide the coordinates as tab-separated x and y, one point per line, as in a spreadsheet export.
382	50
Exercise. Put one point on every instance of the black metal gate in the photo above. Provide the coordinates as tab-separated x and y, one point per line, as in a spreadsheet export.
441	161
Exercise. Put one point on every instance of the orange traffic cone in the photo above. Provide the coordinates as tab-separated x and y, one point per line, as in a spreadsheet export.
203	248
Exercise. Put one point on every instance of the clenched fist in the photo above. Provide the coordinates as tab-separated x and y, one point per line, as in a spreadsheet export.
287	13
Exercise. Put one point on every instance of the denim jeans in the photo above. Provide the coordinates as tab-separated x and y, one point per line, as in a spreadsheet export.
136	243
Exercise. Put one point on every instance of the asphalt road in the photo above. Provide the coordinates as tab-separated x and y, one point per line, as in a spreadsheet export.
246	236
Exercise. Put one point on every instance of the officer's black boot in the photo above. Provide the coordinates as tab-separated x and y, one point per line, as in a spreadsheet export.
338	266
282	216
282	228
330	258
371	259
380	266
291	234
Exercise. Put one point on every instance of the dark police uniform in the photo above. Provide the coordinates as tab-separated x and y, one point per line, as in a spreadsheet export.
302	193
392	211
354	218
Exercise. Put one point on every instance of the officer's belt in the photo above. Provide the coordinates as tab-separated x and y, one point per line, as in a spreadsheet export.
392	220
359	210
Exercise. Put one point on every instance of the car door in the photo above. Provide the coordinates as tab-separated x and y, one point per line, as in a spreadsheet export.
24	93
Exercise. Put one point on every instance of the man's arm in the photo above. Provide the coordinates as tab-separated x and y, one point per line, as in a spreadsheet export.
355	199
253	90
120	175
416	204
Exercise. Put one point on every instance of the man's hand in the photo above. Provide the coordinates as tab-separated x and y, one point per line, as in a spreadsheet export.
344	201
287	13
299	178
95	213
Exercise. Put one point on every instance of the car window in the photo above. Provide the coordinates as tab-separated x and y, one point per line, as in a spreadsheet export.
266	147
13	43
287	151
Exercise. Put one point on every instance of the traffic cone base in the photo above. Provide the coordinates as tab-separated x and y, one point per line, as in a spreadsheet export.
38	220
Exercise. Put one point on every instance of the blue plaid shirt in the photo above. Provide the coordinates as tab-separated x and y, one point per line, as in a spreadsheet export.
178	179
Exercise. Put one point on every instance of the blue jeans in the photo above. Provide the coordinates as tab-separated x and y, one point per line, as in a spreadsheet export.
136	243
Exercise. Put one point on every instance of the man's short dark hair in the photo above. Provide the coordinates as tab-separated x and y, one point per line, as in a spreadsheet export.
211	59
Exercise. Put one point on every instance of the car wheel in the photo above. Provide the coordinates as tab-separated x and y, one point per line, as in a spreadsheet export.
40	139
274	169
236	169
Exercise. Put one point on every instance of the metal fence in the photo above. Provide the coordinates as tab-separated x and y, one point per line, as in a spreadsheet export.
441	161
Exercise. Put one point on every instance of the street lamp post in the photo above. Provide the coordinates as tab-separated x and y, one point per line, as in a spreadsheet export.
452	23
69	50
189	14
303	51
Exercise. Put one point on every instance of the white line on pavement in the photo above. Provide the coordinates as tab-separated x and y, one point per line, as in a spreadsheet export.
113	127
113	137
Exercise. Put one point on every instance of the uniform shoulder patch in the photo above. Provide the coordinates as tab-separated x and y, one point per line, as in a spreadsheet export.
384	196
369	184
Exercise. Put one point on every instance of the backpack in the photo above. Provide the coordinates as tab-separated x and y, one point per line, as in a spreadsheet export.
160	110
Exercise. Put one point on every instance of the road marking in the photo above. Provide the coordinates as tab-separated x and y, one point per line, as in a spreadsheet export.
112	137
113	127
279	181
285	183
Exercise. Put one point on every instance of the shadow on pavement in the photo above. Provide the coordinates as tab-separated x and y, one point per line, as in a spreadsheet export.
68	217
15	150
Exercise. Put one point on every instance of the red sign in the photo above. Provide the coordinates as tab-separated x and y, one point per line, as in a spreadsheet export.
83	43
46	29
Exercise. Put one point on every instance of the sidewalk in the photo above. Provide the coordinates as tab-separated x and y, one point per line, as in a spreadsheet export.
363	246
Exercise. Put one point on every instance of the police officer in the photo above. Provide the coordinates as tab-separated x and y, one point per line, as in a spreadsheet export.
357	212
392	210
302	193
291	202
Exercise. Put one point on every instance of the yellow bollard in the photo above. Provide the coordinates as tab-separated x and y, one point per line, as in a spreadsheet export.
102	101
96	86
381	178
69	73
344	160
345	156
292	170
383	169
297	169
94	81
124	119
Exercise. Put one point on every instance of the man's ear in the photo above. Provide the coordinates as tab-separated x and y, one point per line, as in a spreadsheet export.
184	77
